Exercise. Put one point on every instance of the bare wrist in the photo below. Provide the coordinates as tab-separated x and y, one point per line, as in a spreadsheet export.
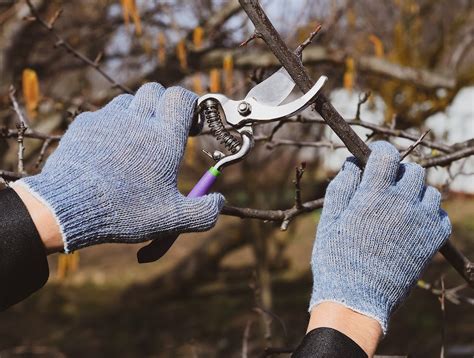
43	218
363	330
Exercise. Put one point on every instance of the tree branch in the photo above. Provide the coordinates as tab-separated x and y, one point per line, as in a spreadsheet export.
299	50
299	171
295	68
412	147
281	216
61	42
315	55
444	160
21	127
8	175
12	133
322	105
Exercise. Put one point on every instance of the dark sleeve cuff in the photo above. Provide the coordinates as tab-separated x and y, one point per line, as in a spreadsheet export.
328	343
23	264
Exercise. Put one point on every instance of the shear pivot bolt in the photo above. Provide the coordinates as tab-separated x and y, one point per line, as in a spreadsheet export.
244	108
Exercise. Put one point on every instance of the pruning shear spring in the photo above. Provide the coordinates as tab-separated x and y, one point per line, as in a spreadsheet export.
261	104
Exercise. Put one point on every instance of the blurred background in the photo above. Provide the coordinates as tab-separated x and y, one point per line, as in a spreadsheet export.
400	66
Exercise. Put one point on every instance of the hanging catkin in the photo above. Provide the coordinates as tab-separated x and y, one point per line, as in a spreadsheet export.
31	91
182	55
161	44
214	80
349	74
228	68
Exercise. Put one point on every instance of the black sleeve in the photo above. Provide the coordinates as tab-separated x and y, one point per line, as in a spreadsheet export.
328	343
23	264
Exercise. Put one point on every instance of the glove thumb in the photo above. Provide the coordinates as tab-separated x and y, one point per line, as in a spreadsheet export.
201	213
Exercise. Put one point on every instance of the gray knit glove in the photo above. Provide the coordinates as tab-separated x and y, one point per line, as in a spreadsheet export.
113	177
378	230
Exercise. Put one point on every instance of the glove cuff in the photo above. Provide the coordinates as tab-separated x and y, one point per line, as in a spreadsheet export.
380	314
77	208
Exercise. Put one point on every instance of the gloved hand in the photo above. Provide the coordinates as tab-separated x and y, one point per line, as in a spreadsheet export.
113	177
378	230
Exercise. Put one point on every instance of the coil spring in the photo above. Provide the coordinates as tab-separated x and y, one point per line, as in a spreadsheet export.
214	121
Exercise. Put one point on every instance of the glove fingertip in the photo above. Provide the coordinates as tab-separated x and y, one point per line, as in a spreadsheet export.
177	108
120	102
181	100
147	98
382	166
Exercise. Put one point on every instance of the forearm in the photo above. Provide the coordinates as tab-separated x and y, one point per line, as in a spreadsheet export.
23	264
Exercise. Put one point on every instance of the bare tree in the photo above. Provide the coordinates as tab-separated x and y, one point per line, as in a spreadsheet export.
108	57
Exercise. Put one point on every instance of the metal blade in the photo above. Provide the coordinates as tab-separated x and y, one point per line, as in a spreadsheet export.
274	89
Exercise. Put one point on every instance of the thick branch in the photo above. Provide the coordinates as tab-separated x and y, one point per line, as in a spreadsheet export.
385	68
322	105
295	68
316	55
220	17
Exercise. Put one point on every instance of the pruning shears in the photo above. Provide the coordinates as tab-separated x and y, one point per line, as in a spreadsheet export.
261	104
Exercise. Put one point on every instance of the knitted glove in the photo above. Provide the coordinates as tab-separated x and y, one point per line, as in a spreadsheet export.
378	230
113	177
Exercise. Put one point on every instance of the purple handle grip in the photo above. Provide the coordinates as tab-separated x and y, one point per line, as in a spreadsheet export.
157	248
204	184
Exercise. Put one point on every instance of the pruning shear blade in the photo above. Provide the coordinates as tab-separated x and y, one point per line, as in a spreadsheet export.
274	89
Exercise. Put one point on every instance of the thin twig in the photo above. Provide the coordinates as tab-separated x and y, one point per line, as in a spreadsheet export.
443	317
452	295
8	175
267	322
12	133
273	215
251	38
301	144
299	171
376	129
276	129
299	50
21	127
362	99
412	147
389	131
273	316
42	152
4	182
61	42
245	339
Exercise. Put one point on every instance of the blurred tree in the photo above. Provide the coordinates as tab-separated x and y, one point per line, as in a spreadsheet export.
414	54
